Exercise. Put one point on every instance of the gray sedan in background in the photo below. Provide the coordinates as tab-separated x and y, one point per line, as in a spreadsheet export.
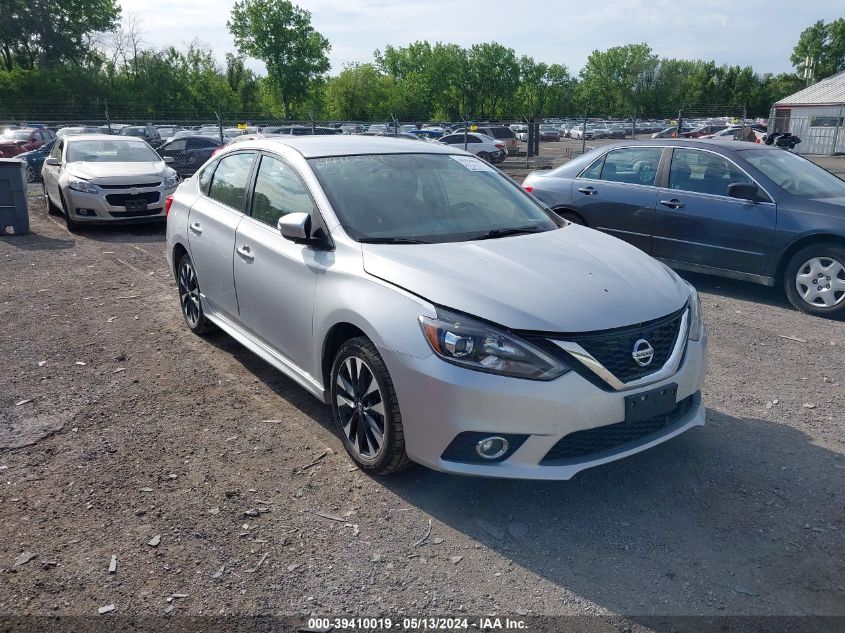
445	315
741	210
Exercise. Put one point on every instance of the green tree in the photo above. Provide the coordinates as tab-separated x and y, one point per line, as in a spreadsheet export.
824	43
619	80
280	34
44	32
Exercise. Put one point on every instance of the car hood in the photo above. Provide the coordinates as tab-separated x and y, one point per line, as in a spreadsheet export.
572	279
120	173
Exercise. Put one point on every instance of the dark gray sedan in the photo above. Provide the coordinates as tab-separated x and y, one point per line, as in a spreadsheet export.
729	208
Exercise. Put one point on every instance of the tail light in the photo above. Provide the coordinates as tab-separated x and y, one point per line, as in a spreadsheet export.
528	188
500	146
168	202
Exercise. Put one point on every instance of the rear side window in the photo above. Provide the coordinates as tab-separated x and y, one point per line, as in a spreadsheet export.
228	186
205	177
632	165
594	171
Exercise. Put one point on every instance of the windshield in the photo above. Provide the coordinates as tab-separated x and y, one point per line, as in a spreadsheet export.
17	135
425	197
796	175
110	152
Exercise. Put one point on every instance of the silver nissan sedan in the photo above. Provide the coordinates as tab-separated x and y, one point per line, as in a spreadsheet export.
445	315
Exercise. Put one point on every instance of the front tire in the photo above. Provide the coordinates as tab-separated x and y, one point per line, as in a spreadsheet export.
189	297
366	410
52	209
814	279
72	225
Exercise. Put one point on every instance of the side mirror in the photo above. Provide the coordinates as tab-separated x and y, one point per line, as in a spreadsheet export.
295	227
743	191
52	162
167	160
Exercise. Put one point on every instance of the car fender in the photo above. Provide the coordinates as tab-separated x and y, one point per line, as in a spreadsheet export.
386	314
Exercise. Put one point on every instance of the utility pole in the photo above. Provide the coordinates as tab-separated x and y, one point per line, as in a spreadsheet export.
466	125
108	120
584	132
809	70
680	122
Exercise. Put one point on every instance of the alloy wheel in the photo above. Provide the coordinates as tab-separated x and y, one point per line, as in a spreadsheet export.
189	294
821	282
360	407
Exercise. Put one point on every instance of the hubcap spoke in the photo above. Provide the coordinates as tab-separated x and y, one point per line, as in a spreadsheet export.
821	282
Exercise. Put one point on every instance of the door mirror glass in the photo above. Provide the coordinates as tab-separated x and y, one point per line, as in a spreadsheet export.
295	227
53	162
743	190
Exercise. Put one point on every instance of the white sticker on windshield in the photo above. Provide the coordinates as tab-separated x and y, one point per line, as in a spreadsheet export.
472	163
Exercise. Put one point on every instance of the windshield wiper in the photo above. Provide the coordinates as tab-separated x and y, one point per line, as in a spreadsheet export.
391	240
514	230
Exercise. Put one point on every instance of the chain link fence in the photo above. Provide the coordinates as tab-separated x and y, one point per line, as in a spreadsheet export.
30	130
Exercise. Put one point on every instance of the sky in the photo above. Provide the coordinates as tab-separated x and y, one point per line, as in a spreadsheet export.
757	33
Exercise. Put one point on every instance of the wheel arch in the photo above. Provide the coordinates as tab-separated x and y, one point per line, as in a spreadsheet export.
179	250
337	335
802	242
561	210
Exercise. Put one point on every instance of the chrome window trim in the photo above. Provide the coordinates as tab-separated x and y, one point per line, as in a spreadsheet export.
662	148
669	367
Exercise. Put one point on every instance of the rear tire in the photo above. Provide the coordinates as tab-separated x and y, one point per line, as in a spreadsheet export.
814	279
366	410
484	156
189	297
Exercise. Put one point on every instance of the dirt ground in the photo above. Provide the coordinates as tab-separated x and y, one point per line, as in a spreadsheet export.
221	487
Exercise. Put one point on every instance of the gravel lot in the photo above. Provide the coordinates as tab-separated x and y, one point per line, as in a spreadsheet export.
121	434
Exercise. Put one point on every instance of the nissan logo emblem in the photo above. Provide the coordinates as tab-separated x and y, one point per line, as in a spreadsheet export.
643	353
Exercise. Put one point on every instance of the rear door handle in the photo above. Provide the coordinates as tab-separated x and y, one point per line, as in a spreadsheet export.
674	203
588	191
196	227
245	252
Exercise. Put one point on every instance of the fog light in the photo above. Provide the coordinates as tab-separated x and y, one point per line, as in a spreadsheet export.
492	447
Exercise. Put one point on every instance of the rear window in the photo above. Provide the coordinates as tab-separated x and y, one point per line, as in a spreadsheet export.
502	132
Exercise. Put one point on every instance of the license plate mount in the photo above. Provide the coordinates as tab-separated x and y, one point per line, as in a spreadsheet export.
649	404
135	204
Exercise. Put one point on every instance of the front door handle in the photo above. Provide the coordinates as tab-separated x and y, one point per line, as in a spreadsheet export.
245	252
588	191
196	227
674	203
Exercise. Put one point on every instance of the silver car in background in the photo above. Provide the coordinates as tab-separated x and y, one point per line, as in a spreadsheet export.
447	317
98	178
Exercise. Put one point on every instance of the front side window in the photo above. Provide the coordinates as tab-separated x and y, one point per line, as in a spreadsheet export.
632	165
703	172
110	151
425	197
229	183
797	175
57	150
278	191
176	146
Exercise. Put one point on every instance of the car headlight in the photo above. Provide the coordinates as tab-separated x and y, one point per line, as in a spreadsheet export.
171	181
696	325
82	185
475	345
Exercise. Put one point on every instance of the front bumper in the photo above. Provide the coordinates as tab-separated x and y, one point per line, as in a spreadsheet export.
107	205
438	401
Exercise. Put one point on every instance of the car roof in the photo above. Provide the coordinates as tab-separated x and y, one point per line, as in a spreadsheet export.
346	145
102	137
703	143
